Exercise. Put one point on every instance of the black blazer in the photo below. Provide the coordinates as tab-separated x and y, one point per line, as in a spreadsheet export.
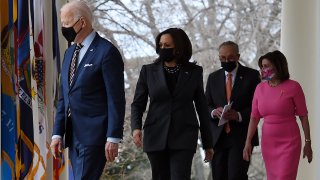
171	120
242	94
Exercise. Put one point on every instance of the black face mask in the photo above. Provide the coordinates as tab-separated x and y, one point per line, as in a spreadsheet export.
229	66
166	54
69	33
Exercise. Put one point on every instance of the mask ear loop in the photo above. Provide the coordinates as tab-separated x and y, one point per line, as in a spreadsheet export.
81	25
76	22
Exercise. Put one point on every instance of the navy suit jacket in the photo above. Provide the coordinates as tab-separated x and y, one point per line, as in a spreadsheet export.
96	97
243	89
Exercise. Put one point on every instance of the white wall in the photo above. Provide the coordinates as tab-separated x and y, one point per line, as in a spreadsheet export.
300	43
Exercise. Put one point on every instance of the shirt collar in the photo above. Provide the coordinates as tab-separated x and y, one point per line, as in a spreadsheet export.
88	40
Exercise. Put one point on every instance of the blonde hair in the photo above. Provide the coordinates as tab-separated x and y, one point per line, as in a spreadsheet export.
78	8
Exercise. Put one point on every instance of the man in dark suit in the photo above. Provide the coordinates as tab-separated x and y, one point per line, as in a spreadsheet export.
234	84
91	107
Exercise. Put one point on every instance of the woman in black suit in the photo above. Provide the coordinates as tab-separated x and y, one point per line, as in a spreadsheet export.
175	89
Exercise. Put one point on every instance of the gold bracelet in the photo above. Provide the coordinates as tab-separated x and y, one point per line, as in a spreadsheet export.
307	140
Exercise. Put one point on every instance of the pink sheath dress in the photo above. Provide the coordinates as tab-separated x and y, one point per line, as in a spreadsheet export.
280	141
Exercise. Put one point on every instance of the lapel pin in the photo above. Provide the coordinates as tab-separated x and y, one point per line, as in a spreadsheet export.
91	50
241	77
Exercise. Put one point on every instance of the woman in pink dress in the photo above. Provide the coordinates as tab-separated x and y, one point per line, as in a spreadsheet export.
278	100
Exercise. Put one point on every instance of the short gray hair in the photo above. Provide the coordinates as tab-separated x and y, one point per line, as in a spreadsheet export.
79	8
230	43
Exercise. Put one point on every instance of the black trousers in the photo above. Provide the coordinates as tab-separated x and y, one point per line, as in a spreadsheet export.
171	164
227	162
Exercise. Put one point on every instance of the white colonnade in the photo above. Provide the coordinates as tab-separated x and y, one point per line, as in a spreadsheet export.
300	42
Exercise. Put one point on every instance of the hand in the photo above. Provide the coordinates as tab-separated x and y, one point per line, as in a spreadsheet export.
56	147
231	114
209	155
217	112
137	137
307	151
111	151
247	151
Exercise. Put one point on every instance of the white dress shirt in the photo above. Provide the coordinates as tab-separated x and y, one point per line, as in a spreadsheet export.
234	73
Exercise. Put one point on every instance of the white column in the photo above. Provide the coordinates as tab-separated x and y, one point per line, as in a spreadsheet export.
63	46
300	29
48	56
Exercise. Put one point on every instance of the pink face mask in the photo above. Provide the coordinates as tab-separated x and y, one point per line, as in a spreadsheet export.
267	74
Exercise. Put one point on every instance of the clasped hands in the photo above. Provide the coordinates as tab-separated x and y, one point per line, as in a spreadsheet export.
231	114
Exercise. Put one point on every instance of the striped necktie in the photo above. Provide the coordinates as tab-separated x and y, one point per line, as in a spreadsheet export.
73	68
74	63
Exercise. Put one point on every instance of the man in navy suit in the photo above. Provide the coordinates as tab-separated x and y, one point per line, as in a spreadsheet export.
235	84
91	107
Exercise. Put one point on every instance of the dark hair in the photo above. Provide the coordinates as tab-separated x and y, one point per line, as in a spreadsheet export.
230	43
279	61
183	47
